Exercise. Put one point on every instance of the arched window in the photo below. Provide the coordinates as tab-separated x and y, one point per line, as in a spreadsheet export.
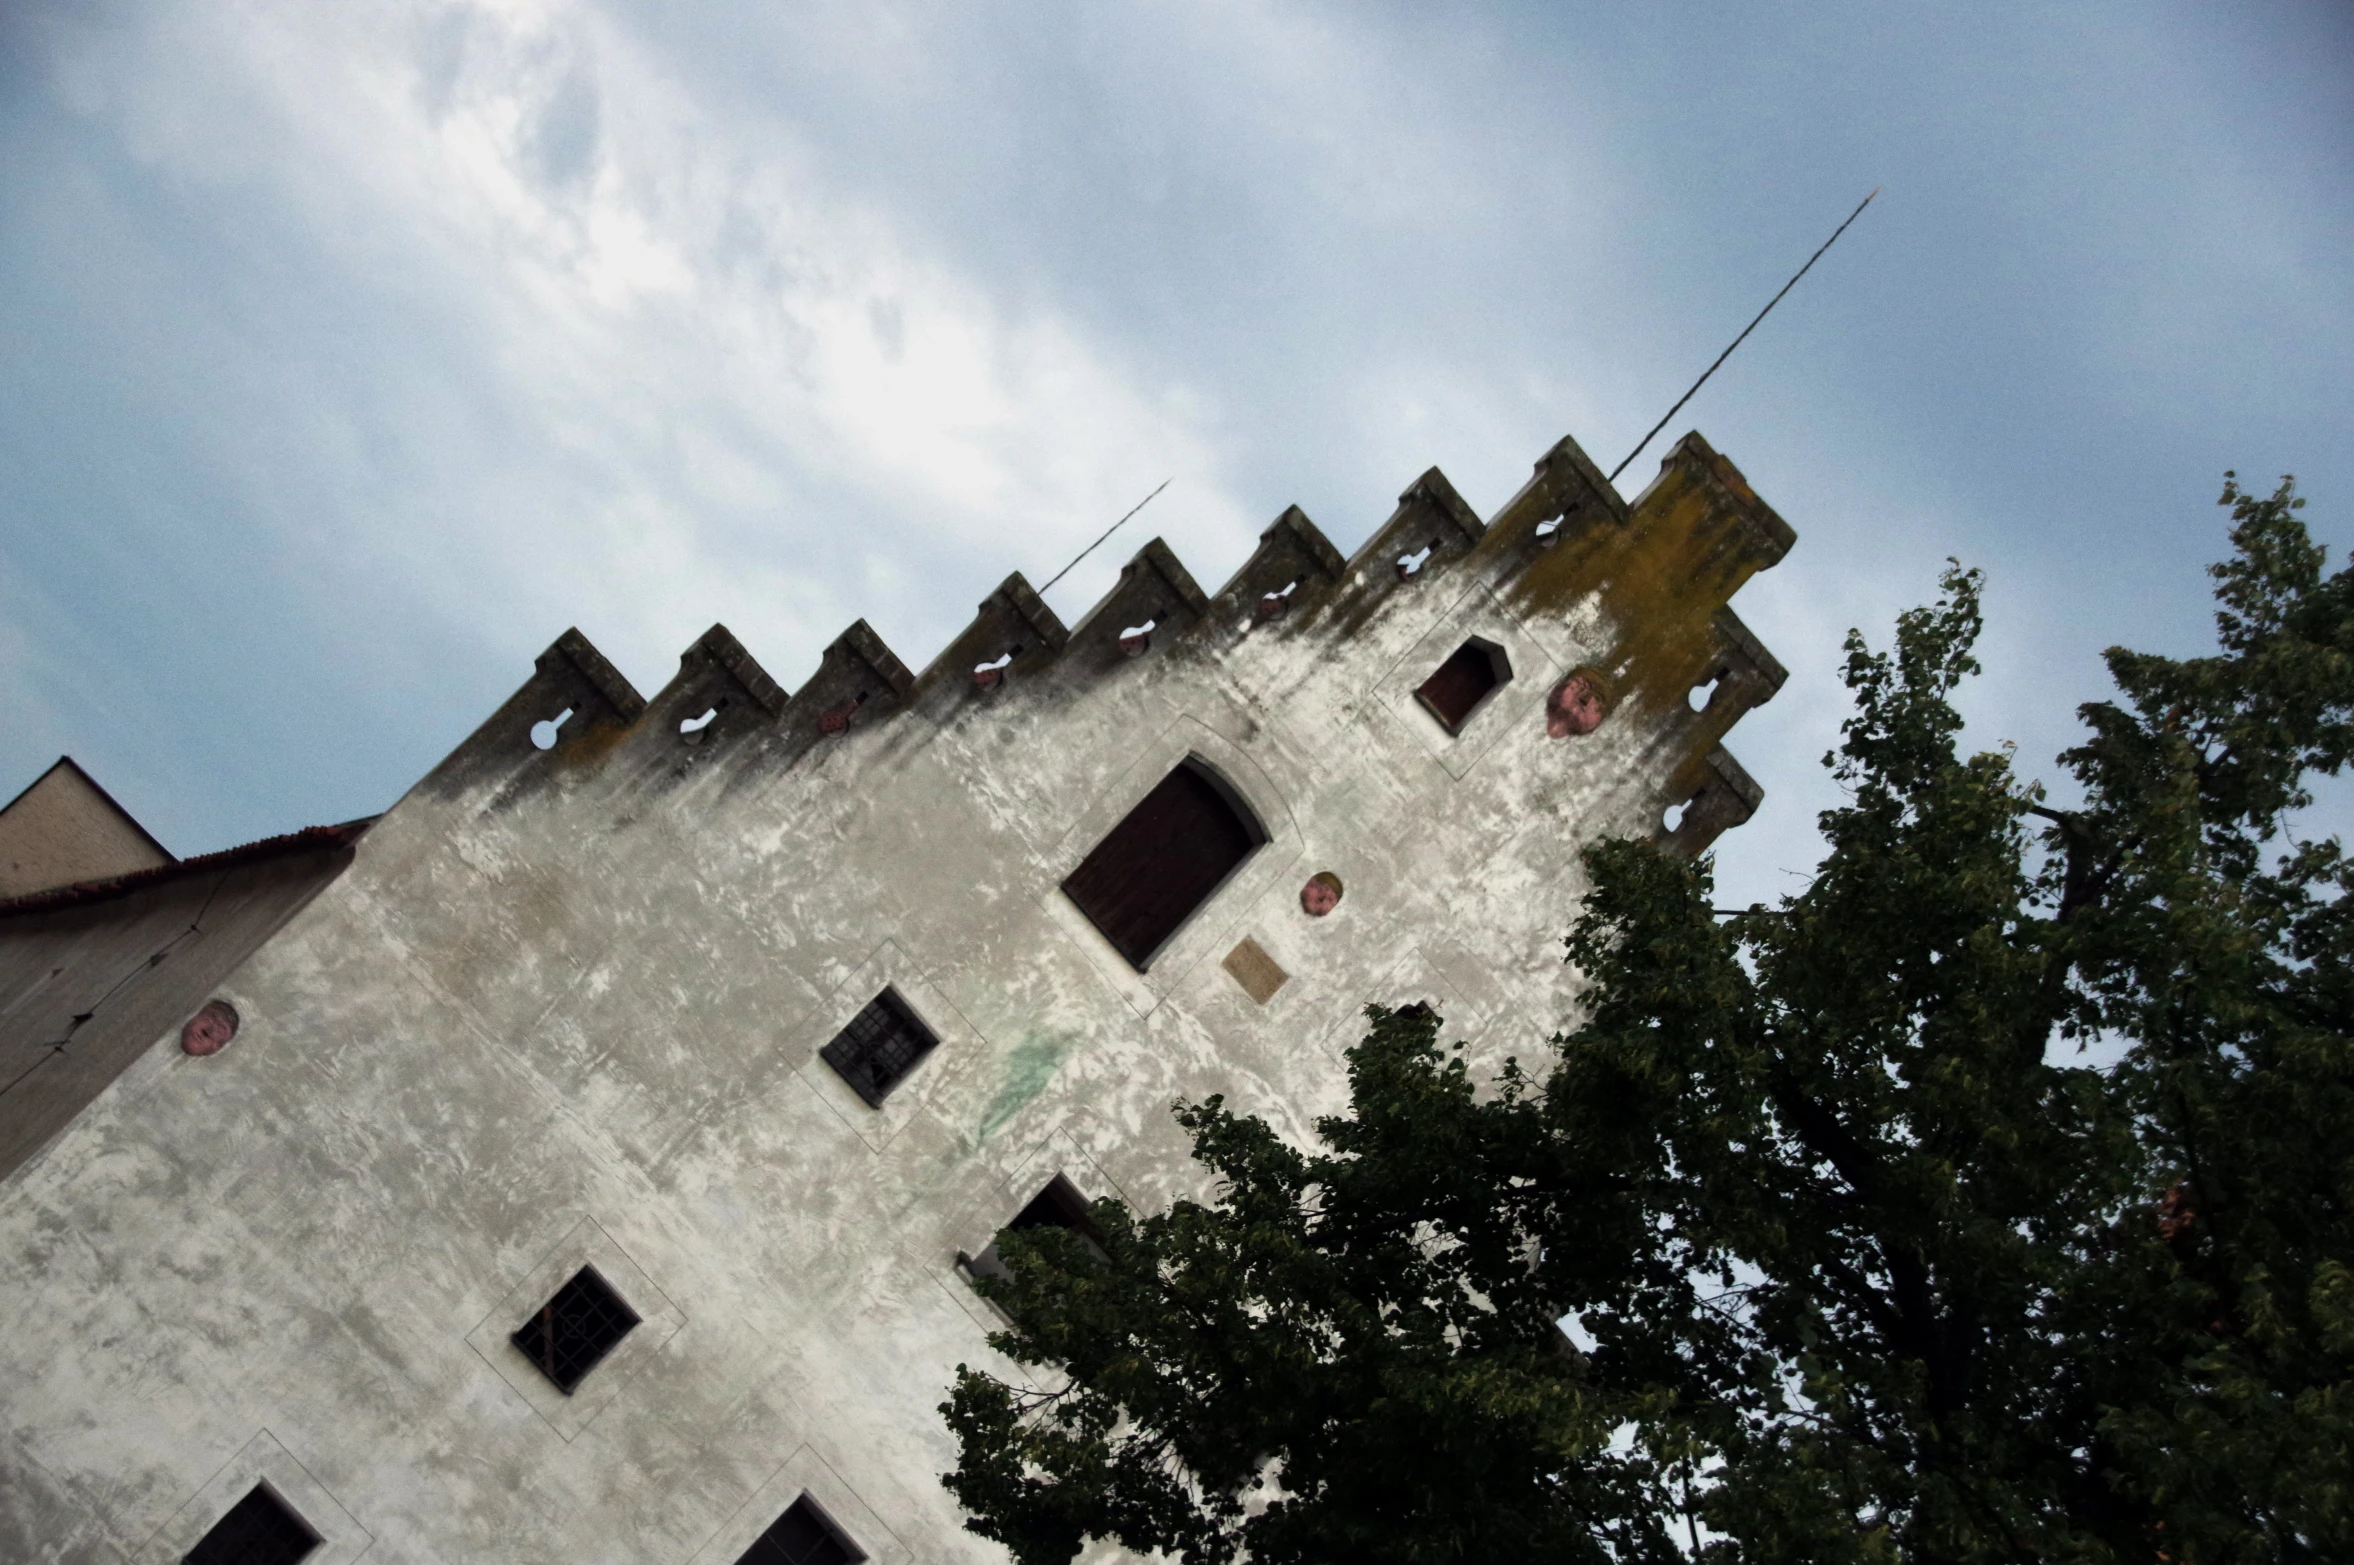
1156	867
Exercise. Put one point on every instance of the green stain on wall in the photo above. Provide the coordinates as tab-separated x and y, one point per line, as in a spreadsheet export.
1027	1070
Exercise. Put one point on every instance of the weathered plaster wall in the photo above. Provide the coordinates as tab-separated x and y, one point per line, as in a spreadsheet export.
566	1005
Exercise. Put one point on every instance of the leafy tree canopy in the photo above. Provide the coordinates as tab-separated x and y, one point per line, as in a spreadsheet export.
1867	1259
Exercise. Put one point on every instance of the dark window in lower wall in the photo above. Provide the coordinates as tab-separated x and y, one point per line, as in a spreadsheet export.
260	1529
575	1329
1174	849
1465	680
1059	1205
879	1047
804	1535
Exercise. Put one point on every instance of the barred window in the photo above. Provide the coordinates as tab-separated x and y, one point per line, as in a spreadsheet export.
575	1329
879	1047
260	1529
804	1535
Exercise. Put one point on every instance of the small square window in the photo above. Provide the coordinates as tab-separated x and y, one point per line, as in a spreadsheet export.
1463	683
260	1529
804	1535
879	1047
575	1329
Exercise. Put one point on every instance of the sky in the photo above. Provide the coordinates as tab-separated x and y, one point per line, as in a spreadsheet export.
349	353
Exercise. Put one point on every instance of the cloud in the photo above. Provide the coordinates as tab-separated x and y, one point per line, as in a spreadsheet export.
727	388
399	335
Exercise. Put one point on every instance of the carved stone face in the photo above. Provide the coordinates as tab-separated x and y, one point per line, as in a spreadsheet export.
1576	707
210	1029
1321	894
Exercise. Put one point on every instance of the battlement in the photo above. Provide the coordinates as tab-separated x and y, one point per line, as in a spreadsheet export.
1647	584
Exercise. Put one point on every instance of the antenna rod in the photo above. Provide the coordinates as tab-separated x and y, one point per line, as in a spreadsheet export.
1107	532
1745	331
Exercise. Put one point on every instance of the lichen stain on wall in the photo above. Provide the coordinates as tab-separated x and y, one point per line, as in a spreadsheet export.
1029	1066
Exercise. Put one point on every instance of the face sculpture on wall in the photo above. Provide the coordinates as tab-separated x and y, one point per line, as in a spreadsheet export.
210	1029
1576	706
1321	894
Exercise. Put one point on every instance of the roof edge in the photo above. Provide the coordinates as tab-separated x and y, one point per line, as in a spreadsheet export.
81	893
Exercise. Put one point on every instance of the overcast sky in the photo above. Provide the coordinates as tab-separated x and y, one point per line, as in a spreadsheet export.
350	352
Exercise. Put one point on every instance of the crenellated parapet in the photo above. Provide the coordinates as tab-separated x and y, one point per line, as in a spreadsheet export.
1153	603
1647	582
1012	637
1291	569
720	691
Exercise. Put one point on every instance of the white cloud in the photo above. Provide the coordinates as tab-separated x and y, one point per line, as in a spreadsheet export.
757	398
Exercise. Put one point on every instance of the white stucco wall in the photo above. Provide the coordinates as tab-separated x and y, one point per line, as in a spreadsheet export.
566	1007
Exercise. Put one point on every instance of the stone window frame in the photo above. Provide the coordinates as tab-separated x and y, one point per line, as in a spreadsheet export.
1004	1190
960	1050
1210	931
899	1022
1518	701
1500	673
805	1472
1059	1184
261	1460
586	1243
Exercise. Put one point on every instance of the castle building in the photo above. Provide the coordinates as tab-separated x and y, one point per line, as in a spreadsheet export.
586	1160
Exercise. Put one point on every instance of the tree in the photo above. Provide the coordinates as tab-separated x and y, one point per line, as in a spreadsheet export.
1868	1258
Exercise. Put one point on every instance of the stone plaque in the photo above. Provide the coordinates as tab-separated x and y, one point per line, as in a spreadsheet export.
1255	970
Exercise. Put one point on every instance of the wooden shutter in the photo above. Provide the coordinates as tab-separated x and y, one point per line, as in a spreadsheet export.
1162	862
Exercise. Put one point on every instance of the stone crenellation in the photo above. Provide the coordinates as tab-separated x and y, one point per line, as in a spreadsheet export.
1553	535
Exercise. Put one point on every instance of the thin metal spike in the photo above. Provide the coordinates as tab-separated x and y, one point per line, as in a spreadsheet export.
1745	331
1107	532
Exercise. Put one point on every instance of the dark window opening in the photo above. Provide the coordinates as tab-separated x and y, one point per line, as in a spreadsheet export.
260	1529
1059	1205
804	1535
1164	861
880	1046
1463	682
575	1329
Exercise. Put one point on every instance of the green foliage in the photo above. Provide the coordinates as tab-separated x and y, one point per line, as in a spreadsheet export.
1871	1263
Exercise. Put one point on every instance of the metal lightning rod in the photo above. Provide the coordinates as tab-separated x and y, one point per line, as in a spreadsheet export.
1745	331
1107	532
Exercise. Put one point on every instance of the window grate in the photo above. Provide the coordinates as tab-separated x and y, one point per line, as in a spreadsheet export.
804	1535
879	1047
575	1329
258	1530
